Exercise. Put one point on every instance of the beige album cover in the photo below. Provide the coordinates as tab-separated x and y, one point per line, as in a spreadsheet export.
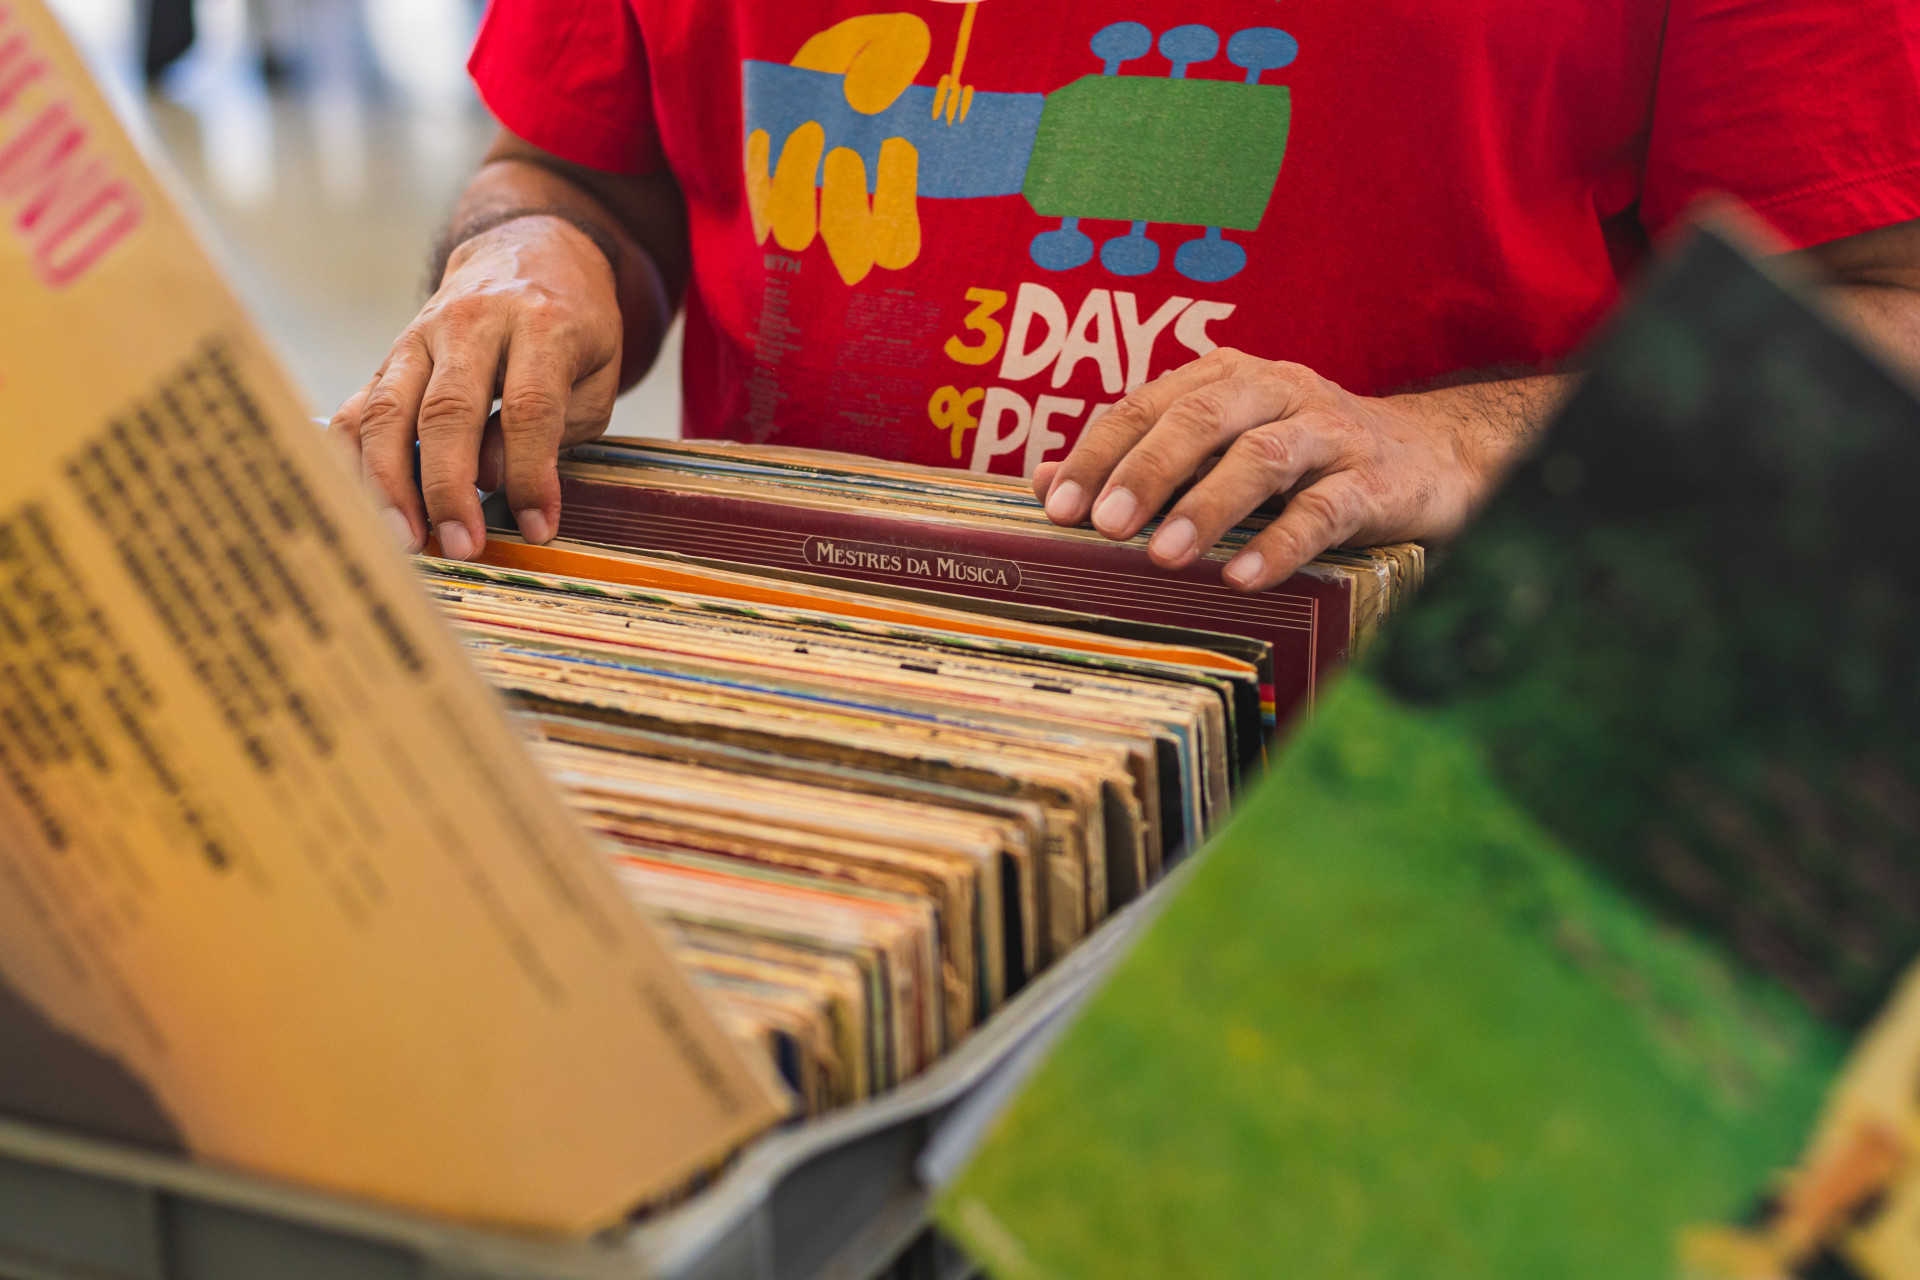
279	887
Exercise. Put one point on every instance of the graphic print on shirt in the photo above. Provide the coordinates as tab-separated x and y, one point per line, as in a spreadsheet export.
1466	187
861	144
842	146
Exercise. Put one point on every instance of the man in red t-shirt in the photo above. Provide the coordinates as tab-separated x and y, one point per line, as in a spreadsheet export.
1338	248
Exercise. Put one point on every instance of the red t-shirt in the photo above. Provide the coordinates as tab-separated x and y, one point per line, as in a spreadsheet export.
1386	192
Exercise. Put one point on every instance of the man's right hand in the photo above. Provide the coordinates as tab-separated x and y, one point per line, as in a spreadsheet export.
552	309
527	312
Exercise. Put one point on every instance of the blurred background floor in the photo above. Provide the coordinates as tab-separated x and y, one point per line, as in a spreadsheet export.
324	143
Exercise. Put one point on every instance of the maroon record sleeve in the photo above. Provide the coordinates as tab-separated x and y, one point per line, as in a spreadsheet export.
1308	620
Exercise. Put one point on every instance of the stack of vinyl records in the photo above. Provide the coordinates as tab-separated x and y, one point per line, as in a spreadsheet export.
868	819
894	525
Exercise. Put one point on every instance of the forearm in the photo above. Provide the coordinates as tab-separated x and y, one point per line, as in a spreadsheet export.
508	184
1886	317
1492	424
1877	294
1876	289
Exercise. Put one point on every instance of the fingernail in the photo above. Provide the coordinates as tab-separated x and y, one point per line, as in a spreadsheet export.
1063	504
1173	541
455	542
401	528
1245	569
1114	515
533	524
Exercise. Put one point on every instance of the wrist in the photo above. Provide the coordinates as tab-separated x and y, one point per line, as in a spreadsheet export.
1490	425
454	245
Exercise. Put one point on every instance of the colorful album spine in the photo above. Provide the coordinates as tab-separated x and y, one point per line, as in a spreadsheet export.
1308	620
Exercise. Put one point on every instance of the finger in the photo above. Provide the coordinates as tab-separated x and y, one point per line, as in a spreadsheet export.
1324	514
590	404
1043	479
1267	460
453	415
344	426
492	471
343	429
1108	437
533	421
389	418
1191	429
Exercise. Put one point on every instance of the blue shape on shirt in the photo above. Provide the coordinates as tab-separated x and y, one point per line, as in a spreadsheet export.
984	155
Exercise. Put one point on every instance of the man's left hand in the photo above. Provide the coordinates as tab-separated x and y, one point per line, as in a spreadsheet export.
1353	469
1362	470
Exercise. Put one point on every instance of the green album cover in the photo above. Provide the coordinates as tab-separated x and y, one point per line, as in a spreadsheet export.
1541	945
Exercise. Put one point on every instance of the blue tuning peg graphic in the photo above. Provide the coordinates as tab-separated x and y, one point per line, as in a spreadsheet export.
1120	42
1184	46
1063	249
1209	259
1131	254
1259	49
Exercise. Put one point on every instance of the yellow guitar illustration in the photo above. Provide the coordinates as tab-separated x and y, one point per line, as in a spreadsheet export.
877	56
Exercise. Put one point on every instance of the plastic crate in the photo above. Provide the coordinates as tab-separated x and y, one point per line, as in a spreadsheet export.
840	1198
